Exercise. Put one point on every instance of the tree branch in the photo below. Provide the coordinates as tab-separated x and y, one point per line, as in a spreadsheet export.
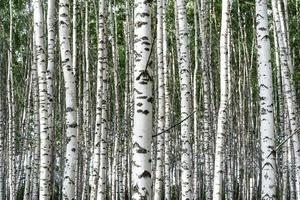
282	143
174	124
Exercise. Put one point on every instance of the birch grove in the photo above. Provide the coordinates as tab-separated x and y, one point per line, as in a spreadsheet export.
165	99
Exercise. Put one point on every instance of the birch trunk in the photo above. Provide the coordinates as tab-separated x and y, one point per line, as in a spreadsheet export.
161	107
68	189
51	18
45	143
185	98
167	138
27	175
127	107
74	36
116	148
2	137
36	140
219	157
195	104
97	138
10	103
207	128
143	99
289	90
266	102
102	64
281	115
86	107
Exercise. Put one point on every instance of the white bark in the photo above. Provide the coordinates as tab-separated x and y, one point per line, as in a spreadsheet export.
68	189
288	88
51	19
195	104
28	157
158	188
74	36
10	103
283	18
281	119
142	114
102	64
127	106
268	190
36	142
45	143
97	138
186	100
218	170
167	147
86	107
2	138
207	128
116	149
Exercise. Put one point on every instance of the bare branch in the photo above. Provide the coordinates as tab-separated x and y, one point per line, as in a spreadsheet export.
282	143
174	124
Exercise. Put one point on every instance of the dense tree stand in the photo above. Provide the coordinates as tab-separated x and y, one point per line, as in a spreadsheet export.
149	100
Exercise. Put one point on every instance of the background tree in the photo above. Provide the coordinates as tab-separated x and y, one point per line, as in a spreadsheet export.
113	133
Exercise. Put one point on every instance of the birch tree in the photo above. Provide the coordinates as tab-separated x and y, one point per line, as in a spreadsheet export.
68	189
97	138
86	106
195	105
218	170
288	88
143	99
102	63
266	102
2	137
98	105
185	98
51	18
10	102
116	166
207	128
167	138
45	143
36	140
161	101
74	36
